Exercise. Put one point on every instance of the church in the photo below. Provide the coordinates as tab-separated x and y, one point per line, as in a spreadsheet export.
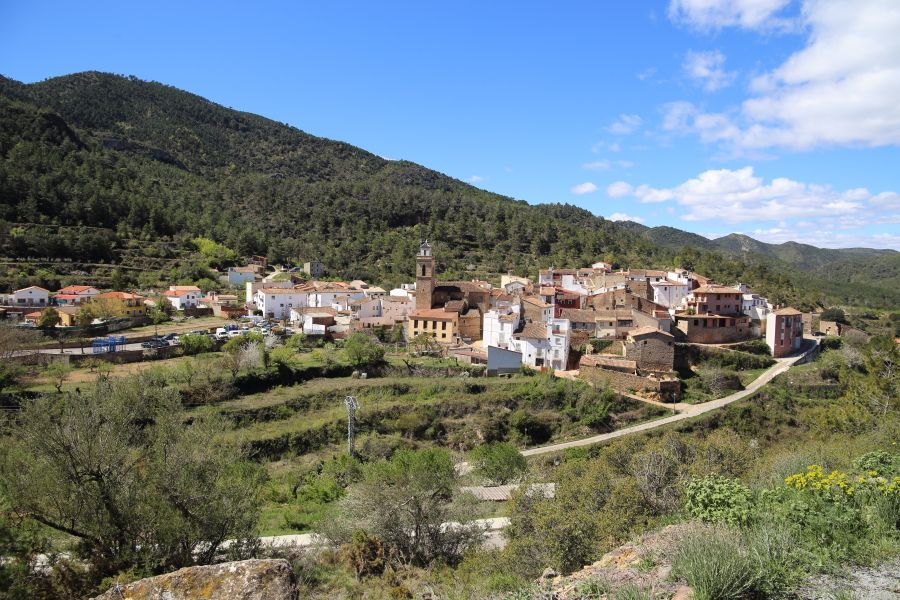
449	311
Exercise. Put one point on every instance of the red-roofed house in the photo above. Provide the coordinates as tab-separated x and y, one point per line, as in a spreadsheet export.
182	299
73	295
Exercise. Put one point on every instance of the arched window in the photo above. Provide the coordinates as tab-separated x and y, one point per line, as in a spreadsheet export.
423	270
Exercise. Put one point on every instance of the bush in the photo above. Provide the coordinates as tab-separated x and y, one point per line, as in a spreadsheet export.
363	350
833	314
498	463
196	344
717	499
717	565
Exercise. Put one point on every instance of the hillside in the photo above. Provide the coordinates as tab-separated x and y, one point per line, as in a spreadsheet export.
100	169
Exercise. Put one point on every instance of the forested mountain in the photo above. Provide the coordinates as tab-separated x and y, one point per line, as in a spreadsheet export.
97	168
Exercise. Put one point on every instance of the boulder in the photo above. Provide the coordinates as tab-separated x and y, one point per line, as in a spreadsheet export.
240	580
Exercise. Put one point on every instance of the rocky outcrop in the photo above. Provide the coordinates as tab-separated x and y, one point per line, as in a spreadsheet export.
240	580
644	564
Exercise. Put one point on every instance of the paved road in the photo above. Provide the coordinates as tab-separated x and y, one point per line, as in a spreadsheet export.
688	411
493	537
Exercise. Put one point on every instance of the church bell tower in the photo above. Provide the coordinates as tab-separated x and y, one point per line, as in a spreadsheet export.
424	277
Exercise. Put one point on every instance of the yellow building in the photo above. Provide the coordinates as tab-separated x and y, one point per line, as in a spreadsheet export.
118	304
436	322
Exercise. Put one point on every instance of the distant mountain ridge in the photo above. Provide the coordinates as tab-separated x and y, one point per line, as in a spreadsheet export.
795	253
124	167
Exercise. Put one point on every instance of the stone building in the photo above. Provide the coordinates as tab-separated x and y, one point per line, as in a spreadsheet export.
651	349
451	310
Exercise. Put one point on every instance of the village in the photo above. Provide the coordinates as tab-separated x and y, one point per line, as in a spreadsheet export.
622	327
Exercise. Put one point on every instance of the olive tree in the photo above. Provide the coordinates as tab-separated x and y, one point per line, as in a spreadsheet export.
121	470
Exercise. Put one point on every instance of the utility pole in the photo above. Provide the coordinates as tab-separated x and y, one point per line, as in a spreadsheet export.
352	406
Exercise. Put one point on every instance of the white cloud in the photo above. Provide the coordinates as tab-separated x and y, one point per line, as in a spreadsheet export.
625	164
708	69
475	179
619	189
841	89
597	165
716	14
584	188
623	217
646	73
737	196
625	124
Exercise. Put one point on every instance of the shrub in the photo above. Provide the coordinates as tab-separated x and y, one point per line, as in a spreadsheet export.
717	499
196	344
830	343
498	463
363	350
833	314
716	564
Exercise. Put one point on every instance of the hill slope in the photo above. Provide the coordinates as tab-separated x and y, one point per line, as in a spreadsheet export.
101	168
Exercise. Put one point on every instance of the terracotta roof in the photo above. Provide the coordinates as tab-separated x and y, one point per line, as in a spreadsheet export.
463	286
536	302
578	315
647	330
243	269
396	299
174	288
69	310
68	297
179	293
432	313
75	289
537	331
787	310
667	282
717	289
33	315
547	290
455	305
310	310
613	313
120	296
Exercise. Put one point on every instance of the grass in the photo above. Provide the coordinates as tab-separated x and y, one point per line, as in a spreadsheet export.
749	376
716	565
173	327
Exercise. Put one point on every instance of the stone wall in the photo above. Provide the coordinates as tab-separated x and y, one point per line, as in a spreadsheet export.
630	383
652	354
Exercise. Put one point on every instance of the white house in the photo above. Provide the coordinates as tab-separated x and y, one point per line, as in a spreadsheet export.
240	275
498	327
323	296
669	293
276	302
543	345
182	299
366	308
73	295
396	307
31	296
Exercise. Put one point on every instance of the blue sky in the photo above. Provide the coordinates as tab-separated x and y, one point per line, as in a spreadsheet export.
775	118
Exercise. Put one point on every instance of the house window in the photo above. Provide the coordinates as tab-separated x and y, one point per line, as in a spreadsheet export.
443	325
